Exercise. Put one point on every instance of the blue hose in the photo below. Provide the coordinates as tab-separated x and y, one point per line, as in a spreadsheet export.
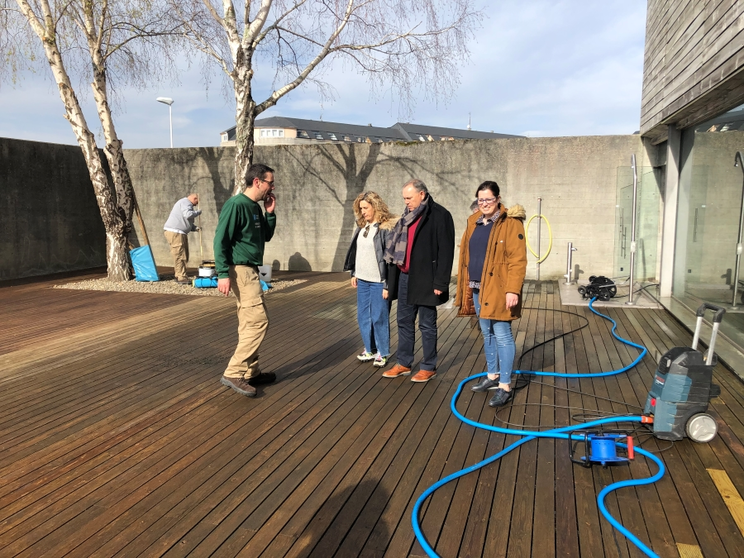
556	433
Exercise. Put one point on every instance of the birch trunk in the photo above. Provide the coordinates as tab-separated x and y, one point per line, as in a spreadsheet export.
244	140
117	255
125	198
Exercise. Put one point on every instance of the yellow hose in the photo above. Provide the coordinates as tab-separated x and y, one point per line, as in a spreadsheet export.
550	237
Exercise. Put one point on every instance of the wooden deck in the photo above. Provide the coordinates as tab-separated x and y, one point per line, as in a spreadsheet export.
117	439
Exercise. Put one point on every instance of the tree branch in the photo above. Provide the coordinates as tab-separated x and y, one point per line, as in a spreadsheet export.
278	94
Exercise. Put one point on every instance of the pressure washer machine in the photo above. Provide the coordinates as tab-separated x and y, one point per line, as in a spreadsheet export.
683	386
600	287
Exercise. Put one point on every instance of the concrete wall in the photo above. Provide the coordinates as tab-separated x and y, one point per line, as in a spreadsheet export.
50	217
693	63
576	177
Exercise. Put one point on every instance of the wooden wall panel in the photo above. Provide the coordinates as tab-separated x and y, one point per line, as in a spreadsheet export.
693	62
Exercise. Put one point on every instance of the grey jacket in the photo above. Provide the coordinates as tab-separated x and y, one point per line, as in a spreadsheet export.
182	217
380	241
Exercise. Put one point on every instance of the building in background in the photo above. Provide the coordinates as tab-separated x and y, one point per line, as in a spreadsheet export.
692	120
281	130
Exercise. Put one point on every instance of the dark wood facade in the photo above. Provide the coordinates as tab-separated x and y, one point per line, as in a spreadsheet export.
693	63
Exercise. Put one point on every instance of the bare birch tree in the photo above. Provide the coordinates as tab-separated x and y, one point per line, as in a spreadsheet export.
93	39
412	46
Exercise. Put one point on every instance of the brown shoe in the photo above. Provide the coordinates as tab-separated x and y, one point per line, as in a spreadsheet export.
395	371
239	385
423	376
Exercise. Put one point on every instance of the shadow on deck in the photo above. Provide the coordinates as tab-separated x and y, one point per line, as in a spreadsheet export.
117	438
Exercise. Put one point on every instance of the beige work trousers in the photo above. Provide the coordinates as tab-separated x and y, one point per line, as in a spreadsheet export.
253	321
179	245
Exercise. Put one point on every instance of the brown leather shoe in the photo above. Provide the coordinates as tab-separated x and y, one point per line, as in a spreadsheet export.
395	371
239	385
423	376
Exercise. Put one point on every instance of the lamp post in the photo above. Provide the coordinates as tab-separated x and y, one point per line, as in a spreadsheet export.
168	101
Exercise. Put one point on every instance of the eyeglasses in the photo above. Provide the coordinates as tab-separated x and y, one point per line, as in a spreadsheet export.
269	182
486	201
366	231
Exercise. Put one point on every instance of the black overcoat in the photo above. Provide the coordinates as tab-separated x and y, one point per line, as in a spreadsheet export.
432	255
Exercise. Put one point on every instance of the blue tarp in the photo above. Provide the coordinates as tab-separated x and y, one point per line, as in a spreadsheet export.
144	264
211	282
206	282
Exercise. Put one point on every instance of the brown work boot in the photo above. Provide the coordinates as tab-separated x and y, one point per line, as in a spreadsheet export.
423	376
239	385
395	371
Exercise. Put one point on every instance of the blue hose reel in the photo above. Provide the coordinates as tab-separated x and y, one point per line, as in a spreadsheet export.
601	447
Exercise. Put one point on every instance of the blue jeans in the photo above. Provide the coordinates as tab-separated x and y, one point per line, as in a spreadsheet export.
498	344
427	316
373	315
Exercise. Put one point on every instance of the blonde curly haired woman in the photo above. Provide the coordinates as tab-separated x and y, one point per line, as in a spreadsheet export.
364	260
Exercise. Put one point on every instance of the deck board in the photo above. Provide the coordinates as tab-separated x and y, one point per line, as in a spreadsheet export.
117	439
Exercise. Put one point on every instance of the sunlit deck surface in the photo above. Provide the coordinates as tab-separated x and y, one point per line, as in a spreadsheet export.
117	439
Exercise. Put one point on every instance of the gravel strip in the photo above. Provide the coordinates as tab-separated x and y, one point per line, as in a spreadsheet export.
167	285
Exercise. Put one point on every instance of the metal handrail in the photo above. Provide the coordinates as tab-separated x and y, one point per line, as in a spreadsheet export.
738	163
630	301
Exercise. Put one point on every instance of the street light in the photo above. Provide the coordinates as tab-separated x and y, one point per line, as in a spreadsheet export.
168	101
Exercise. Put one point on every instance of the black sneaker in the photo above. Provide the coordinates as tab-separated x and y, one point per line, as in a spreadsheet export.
500	398
485	384
262	378
239	385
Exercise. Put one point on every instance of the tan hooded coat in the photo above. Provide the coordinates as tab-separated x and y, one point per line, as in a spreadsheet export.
503	270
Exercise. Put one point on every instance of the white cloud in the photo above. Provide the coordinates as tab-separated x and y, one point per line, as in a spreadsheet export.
538	68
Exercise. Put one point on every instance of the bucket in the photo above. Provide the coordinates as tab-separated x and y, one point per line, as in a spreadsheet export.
264	272
207	271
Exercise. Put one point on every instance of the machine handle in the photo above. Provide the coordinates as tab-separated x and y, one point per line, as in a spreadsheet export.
717	318
714	333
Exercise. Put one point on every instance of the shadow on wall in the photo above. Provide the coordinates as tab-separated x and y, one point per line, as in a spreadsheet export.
296	263
343	159
578	272
221	188
355	169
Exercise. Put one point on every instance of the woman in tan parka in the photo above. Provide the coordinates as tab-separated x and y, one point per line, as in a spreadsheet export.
493	263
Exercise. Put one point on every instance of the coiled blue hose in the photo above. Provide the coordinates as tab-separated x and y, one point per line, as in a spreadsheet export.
558	433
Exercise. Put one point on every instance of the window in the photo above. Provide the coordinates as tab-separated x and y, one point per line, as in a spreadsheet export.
333	136
318	136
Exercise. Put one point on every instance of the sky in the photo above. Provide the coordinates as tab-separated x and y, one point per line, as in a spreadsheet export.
538	68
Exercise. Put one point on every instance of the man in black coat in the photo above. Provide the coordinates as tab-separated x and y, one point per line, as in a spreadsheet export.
420	255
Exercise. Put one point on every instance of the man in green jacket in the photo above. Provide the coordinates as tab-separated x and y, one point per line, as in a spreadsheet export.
242	230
